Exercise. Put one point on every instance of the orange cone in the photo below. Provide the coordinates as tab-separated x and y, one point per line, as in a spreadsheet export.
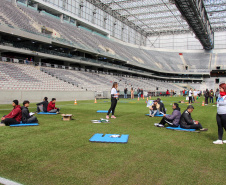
75	102
95	100
138	99
203	103
143	97
147	98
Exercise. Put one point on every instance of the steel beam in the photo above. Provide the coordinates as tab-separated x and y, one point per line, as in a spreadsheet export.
196	16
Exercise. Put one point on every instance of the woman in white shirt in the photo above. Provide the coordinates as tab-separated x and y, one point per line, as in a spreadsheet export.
221	114
114	97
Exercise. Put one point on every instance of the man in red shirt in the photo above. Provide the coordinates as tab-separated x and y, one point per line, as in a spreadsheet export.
14	117
51	106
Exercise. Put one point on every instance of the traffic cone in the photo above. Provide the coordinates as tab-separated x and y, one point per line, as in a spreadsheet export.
95	100
143	97
75	102
203	103
138	99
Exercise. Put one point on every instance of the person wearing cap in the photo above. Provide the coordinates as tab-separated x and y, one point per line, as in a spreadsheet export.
221	114
14	117
26	118
154	108
187	122
42	106
162	107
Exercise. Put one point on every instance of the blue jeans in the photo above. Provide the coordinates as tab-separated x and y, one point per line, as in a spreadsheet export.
125	95
211	99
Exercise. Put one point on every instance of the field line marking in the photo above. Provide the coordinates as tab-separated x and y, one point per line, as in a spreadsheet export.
8	182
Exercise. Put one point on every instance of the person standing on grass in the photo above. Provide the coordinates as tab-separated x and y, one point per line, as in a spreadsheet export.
206	96
125	93
132	93
190	95
14	117
114	97
217	93
221	114
211	95
187	122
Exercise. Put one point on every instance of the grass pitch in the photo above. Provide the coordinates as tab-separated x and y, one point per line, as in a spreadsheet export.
59	152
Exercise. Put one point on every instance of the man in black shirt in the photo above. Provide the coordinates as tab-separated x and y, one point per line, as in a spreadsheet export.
42	106
26	117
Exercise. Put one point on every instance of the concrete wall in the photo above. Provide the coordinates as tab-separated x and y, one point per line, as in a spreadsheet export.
7	96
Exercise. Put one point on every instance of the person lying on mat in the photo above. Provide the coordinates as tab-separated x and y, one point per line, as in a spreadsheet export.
14	117
51	106
154	108
162	107
172	120
26	117
187	122
42	106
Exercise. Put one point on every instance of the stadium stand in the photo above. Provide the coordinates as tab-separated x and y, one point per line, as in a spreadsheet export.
24	77
33	21
27	77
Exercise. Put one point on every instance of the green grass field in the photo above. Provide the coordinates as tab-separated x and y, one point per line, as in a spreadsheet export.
59	152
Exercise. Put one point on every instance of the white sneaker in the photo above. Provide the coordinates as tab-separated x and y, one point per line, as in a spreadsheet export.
160	125
2	124
218	142
224	141
156	124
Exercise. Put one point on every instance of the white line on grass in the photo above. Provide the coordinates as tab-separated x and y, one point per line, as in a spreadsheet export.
8	182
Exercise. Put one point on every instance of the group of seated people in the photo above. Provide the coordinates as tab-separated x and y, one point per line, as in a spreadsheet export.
21	114
176	118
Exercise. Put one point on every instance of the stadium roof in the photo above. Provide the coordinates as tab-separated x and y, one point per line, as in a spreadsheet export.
160	16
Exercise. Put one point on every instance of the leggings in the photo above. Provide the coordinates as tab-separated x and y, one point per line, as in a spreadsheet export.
190	99
113	105
221	123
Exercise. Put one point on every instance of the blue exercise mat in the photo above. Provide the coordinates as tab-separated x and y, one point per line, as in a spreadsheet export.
156	115
102	111
181	129
108	139
24	125
47	113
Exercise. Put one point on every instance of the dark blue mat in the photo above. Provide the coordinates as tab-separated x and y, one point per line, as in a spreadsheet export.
181	129
102	111
107	139
47	113
24	125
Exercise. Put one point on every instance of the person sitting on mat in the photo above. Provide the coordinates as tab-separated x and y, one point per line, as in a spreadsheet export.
172	120
26	117
14	117
51	106
187	122
154	108
162	107
42	106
